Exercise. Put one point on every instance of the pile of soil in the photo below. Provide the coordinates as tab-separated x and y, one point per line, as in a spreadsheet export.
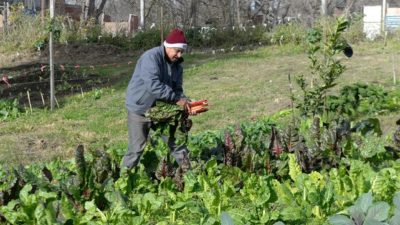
25	74
78	53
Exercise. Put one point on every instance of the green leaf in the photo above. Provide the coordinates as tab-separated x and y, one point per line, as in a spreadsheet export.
340	220
395	220
50	213
24	194
373	222
357	214
178	205
379	211
396	200
239	215
67	208
39	212
364	202
226	219
294	168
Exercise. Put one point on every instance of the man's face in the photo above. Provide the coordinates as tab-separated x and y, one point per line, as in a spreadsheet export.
174	54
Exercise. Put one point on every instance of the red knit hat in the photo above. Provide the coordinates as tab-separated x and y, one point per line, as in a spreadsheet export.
176	39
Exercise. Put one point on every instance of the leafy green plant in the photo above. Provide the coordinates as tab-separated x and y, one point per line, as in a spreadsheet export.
54	26
324	45
357	100
293	32
146	40
9	109
365	211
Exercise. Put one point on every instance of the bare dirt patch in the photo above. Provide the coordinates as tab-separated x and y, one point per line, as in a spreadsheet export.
85	54
29	72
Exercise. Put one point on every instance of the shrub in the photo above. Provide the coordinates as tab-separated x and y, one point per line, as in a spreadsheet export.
146	40
288	33
9	109
355	32
23	32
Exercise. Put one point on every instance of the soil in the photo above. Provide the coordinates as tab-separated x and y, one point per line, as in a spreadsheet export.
26	71
85	54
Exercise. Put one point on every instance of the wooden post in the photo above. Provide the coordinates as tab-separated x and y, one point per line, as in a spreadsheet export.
42	10
29	100
51	58
43	102
82	92
394	70
58	106
384	9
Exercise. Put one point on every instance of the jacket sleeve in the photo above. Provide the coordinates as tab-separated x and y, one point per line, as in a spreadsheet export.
150	73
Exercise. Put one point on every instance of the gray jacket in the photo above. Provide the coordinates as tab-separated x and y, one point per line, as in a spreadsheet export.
154	79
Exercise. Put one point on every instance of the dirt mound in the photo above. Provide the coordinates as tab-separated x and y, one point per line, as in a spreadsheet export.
85	54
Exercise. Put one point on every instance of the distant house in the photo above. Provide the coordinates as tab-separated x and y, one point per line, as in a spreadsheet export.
63	7
373	24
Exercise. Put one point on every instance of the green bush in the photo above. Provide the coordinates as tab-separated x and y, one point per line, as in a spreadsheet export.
9	109
288	33
23	33
146	40
355	32
87	31
211	37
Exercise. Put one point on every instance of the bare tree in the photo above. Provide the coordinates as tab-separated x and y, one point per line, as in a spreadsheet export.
89	9
193	12
238	19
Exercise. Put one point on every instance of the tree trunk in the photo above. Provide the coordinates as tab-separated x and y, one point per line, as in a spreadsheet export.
91	8
142	21
193	12
42	10
99	10
231	13
85	7
238	22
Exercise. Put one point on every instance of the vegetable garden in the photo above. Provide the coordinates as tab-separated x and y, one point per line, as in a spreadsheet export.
328	165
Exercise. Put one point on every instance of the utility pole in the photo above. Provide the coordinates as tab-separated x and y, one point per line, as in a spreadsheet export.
142	22
51	57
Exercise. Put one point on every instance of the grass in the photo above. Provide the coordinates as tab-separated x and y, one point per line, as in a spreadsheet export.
239	86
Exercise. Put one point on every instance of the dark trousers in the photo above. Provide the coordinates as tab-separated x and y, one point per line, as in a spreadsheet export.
138	131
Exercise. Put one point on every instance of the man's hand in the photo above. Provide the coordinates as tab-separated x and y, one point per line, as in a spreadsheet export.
183	102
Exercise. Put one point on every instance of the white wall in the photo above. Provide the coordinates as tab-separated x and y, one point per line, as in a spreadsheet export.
372	21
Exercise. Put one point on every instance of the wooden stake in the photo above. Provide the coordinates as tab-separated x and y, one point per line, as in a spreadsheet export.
58	106
29	100
41	95
82	92
52	94
394	70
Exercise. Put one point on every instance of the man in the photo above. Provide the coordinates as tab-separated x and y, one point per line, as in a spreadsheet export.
157	76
